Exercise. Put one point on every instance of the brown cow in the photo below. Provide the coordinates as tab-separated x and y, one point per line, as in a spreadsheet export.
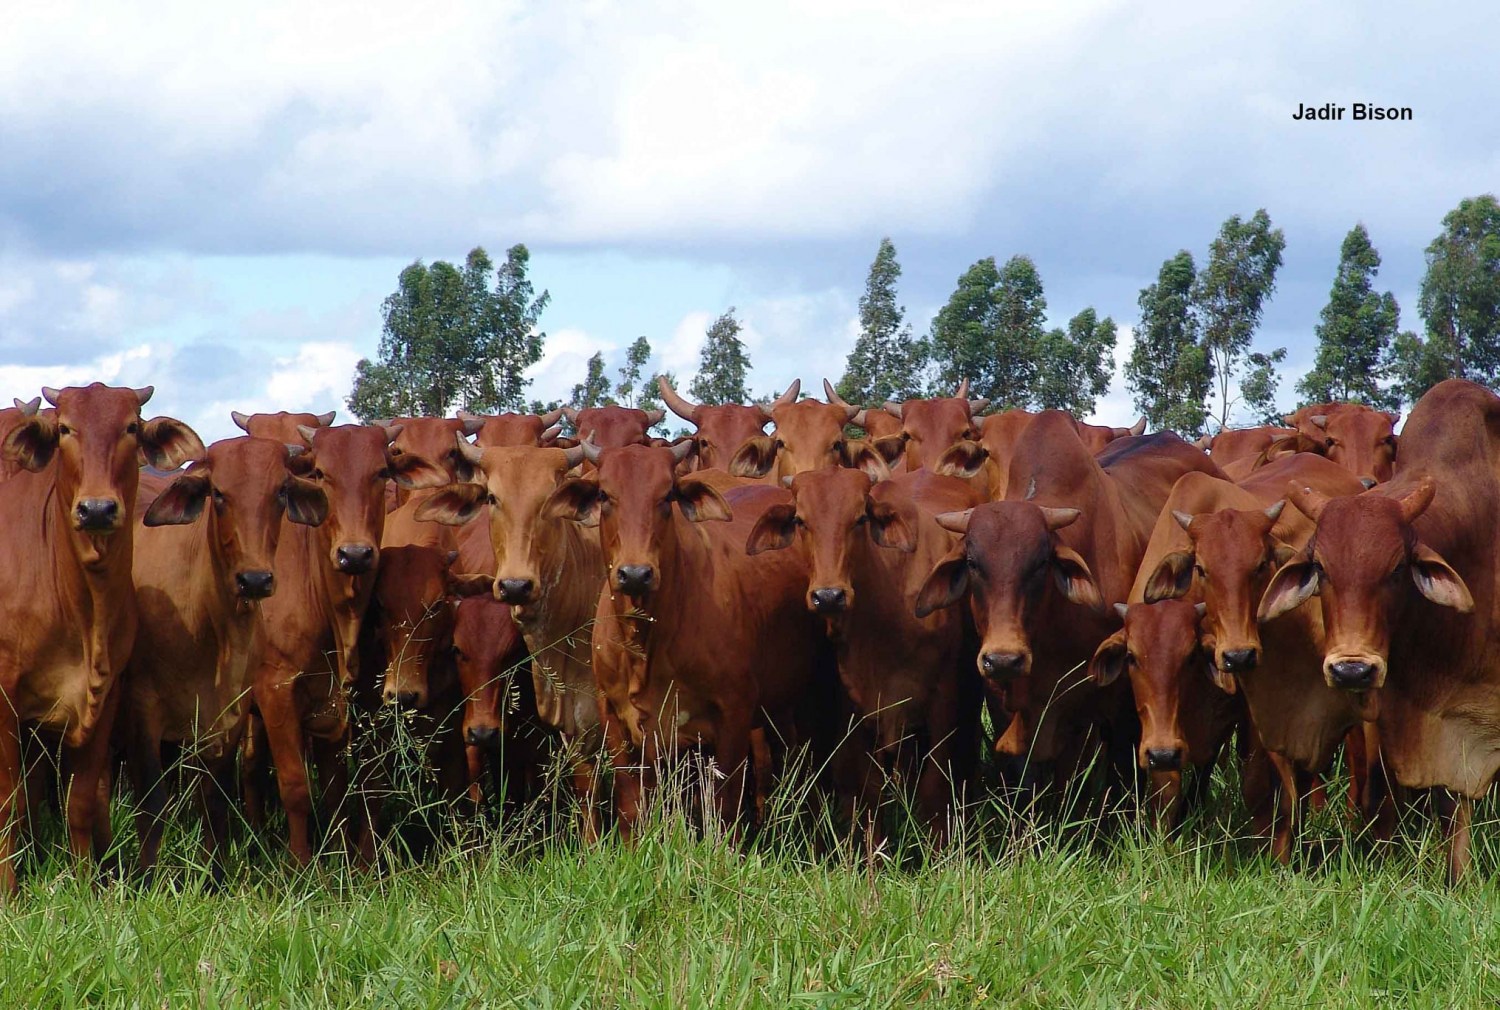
930	426
203	557
809	435
1040	566
1405	576
988	459
313	623
1361	439
871	547
695	643
432	438
720	429
69	607
1227	540
282	426
550	573
516	429
614	426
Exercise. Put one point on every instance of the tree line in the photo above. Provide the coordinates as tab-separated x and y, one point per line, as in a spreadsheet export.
462	336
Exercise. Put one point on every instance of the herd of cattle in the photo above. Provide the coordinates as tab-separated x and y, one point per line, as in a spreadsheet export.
1114	599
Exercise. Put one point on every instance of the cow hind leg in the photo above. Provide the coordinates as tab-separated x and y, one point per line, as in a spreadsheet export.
151	797
215	791
11	789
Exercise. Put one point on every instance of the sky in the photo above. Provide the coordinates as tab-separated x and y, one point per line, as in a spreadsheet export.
216	201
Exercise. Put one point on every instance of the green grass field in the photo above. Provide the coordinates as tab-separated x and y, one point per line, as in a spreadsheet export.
1016	914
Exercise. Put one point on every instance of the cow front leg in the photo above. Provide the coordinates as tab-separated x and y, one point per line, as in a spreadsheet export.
1459	819
88	790
278	709
1286	820
11	789
144	763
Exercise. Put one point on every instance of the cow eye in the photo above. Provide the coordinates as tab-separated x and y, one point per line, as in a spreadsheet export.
218	497
317	473
1130	659
1201	573
384	473
838	446
862	520
63	429
132	428
396	450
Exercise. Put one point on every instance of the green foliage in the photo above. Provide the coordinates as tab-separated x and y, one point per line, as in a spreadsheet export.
1168	370
1074	366
593	391
886	362
1258	388
1230	294
629	389
723	364
1355	332
1460	303
989	332
452	340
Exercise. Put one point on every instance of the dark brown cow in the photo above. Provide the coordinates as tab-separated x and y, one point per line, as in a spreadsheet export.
870	549
516	429
1406	580
930	426
1225	541
1039	568
313	622
720	430
614	426
1359	438
203	560
69	608
695	643
550	573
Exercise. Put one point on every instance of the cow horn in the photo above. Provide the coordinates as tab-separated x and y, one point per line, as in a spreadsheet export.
571	413
787	480
1122	609
143	394
1308	501
1368	482
838	401
1274	512
1290	420
1184	519
860	418
655	417
892	407
29	407
591	452
306	433
685	409
955	522
574	455
963	390
548	434
1415	501
977	405
1203	442
681	450
326	418
241	421
468	450
1320	420
1056	519
789	396
1139	427
51	393
378	422
295	450
1030	490
551	417
392	432
1200	608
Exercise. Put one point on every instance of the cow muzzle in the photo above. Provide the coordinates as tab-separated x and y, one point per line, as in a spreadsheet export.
97	515
355	559
1354	673
405	697
1164	759
1005	665
515	591
635	580
829	600
254	584
1239	660
484	737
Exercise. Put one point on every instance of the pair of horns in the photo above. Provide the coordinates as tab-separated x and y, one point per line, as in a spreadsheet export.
1273	513
1056	519
242	421
142	394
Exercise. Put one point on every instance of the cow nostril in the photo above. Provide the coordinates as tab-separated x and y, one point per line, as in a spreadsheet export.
1003	664
255	584
407	699
1240	660
829	599
1164	759
483	736
515	590
356	559
97	513
633	579
1353	674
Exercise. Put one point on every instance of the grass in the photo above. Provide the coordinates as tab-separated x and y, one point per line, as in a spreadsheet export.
1018	913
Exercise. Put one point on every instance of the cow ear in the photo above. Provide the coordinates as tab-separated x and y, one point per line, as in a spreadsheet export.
700	502
962	459
181	502
890	526
774	529
32	443
414	473
166	443
463	470
1074	578
306	502
1289	588
890	447
861	455
946	585
1437	580
755	456
1109	659
463	585
454	505
1172	578
575	499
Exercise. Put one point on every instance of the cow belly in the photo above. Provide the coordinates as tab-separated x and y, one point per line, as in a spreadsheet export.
1456	746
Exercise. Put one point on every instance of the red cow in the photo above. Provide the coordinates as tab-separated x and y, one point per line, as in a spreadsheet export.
809	435
203	560
930	426
720	430
516	429
614	426
1359	438
70	607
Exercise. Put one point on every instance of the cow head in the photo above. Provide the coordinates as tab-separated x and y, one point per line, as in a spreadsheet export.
433	439
830	508
247	484
281	426
351	463
631	496
486	649
1095	437
1359	439
720	430
514	486
415	616
516	429
930	426
1365	563
809	435
99	442
1232	554
1009	559
611	427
